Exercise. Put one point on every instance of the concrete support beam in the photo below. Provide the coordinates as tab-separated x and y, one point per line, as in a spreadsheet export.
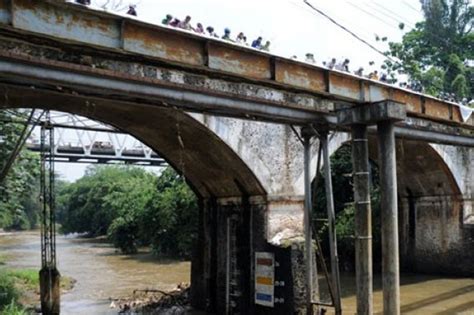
372	113
363	219
389	208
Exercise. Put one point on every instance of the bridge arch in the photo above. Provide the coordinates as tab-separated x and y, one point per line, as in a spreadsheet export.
434	201
210	166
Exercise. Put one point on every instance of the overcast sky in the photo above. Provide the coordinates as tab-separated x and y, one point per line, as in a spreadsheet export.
292	27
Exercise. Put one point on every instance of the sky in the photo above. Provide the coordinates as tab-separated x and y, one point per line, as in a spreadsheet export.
292	27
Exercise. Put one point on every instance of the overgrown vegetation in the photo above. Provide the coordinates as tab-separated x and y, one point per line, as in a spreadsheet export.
19	203
341	166
20	287
133	207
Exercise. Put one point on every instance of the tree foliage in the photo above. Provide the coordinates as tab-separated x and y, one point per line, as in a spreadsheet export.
19	192
438	51
133	207
341	167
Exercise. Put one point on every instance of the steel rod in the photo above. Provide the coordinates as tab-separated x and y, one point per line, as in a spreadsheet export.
307	224
331	224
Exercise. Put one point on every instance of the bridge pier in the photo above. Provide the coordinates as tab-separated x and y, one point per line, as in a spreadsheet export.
384	114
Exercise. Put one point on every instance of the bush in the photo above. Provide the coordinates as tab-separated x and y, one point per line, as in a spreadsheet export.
14	309
8	292
123	234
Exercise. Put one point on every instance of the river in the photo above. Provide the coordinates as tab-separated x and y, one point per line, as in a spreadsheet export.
102	273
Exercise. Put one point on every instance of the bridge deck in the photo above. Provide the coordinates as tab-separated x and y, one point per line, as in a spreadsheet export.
76	25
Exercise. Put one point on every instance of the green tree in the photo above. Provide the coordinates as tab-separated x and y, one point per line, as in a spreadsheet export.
341	167
436	52
133	207
19	206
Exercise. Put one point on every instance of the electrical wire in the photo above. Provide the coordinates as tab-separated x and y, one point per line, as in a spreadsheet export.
411	7
372	15
351	32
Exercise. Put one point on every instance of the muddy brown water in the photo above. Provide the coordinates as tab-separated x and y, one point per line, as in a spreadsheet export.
101	273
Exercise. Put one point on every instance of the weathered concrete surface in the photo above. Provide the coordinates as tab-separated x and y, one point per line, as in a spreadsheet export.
76	25
435	188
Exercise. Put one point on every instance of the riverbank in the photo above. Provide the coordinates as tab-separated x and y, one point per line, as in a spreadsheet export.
19	287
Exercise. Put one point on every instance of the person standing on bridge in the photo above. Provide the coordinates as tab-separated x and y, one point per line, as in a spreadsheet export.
257	44
266	47
186	24
175	22
226	35
132	10
310	58
359	72
240	38
374	75
199	29
167	20
332	63
211	33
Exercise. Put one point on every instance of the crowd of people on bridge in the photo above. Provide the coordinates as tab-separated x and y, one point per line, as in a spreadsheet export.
264	45
240	39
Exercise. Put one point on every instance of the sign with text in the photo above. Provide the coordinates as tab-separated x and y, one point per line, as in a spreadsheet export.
264	278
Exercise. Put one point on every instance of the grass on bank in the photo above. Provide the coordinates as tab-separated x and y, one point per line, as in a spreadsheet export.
22	285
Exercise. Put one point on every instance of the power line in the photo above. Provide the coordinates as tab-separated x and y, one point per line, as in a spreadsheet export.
350	32
411	7
365	31
409	23
372	15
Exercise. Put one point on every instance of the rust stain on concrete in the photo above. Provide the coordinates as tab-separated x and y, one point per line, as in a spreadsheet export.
299	75
140	39
239	62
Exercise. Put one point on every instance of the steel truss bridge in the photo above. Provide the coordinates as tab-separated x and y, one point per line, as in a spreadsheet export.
81	140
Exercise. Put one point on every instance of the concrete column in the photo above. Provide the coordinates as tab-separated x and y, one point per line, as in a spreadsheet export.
388	184
50	291
363	219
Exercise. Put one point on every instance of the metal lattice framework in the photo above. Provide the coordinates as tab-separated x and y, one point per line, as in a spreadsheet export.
81	140
48	218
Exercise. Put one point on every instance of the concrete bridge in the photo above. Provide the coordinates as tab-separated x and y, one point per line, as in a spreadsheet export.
223	116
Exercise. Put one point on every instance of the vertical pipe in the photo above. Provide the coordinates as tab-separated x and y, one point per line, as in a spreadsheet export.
363	218
227	269
388	184
307	225
331	224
